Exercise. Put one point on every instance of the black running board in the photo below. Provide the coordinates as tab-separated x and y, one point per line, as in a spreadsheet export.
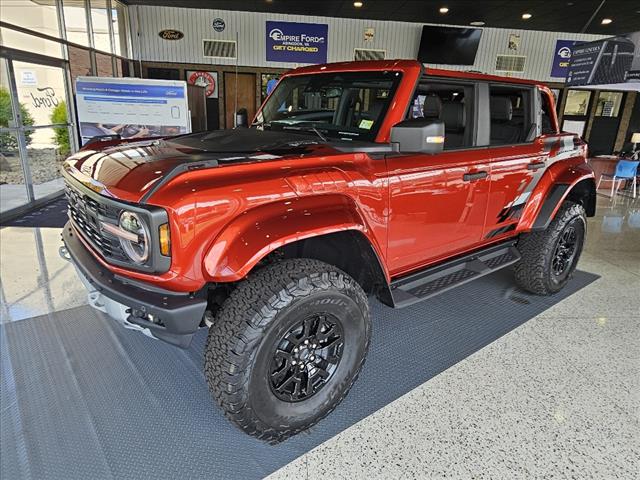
445	276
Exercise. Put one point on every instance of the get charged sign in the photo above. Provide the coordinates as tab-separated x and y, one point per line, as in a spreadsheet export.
297	42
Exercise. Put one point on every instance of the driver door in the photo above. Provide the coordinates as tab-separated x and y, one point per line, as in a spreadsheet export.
438	202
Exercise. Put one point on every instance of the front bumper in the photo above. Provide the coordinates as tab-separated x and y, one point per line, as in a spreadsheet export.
176	317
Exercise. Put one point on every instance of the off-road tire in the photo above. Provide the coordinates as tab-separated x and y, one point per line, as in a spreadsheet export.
534	271
250	321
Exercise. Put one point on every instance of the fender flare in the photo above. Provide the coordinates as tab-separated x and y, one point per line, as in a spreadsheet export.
253	235
560	191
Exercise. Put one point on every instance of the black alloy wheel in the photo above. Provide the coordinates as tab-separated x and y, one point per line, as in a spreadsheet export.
306	357
565	251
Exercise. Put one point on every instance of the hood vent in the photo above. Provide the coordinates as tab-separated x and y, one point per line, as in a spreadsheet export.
510	63
219	48
362	54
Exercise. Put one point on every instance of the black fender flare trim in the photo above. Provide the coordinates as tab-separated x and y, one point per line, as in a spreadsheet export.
557	193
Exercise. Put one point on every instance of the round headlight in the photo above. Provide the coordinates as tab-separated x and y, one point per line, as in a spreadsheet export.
137	251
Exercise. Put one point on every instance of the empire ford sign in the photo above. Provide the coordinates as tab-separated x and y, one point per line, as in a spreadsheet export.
296	42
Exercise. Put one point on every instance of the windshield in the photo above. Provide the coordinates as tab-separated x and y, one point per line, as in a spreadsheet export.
346	105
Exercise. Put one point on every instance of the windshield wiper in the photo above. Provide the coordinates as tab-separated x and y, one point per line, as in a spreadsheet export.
306	129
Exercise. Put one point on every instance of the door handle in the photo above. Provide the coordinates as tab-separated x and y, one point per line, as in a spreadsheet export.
470	177
535	165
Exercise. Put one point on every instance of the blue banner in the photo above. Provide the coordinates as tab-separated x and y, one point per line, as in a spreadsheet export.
297	42
129	90
562	57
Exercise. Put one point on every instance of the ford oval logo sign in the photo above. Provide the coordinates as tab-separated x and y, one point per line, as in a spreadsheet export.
170	34
218	24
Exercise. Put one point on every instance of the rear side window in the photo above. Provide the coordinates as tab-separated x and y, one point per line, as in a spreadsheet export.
510	113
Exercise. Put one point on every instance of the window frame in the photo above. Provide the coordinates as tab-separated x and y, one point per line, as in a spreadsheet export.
534	106
472	108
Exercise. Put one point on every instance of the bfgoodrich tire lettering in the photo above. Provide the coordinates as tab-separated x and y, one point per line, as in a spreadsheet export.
252	323
543	269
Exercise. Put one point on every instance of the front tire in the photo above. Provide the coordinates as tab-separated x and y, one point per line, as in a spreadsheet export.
286	347
549	257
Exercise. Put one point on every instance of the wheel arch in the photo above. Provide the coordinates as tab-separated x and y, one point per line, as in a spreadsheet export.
581	190
326	227
350	251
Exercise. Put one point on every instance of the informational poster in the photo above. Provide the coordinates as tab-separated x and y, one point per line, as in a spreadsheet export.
131	107
293	42
208	80
574	126
614	60
562	57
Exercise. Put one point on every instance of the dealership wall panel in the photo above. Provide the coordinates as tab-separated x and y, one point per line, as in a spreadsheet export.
398	39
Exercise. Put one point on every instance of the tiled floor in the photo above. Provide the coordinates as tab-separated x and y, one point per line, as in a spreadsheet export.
558	397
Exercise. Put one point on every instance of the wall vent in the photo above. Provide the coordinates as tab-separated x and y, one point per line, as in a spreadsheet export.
219	48
361	54
510	63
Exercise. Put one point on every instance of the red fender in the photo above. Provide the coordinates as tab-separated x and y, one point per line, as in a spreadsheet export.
260	231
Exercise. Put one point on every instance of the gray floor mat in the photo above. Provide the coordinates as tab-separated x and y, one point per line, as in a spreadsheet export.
83	398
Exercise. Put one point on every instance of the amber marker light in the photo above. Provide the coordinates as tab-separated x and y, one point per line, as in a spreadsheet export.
165	239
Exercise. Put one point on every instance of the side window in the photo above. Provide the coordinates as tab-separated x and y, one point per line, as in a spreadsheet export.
510	113
449	103
547	111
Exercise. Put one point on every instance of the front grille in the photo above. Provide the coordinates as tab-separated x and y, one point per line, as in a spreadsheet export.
86	214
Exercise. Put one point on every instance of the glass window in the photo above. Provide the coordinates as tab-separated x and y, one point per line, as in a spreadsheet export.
577	102
13	192
41	89
45	155
343	105
75	21
100	19
32	14
449	103
510	115
609	104
104	67
268	82
29	43
6	110
120	22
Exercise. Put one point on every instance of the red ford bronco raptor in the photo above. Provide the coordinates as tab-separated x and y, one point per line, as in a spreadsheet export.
362	178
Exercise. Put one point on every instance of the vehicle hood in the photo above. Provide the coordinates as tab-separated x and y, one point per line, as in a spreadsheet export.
129	171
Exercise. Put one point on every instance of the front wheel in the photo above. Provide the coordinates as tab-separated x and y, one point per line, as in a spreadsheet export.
286	346
550	257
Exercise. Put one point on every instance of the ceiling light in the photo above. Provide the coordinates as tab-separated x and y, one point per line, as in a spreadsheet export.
357	4
526	16
444	9
606	21
477	24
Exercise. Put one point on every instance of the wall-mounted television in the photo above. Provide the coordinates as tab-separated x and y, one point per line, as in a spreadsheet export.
449	45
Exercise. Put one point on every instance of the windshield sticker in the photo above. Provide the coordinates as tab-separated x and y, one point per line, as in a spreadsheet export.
366	124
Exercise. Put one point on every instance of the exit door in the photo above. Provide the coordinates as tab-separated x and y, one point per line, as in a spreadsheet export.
246	96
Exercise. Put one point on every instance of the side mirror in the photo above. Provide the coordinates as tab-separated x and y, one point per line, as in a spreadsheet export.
242	118
418	136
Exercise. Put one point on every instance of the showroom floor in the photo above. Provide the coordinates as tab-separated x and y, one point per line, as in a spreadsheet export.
557	396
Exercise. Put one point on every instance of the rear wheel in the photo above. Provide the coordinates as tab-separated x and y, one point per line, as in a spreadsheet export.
550	257
286	346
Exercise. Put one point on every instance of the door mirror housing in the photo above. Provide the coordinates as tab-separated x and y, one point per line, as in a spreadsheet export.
418	135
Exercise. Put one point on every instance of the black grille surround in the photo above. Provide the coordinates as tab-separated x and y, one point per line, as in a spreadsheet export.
87	209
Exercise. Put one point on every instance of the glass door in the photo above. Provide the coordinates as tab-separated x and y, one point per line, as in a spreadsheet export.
36	133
